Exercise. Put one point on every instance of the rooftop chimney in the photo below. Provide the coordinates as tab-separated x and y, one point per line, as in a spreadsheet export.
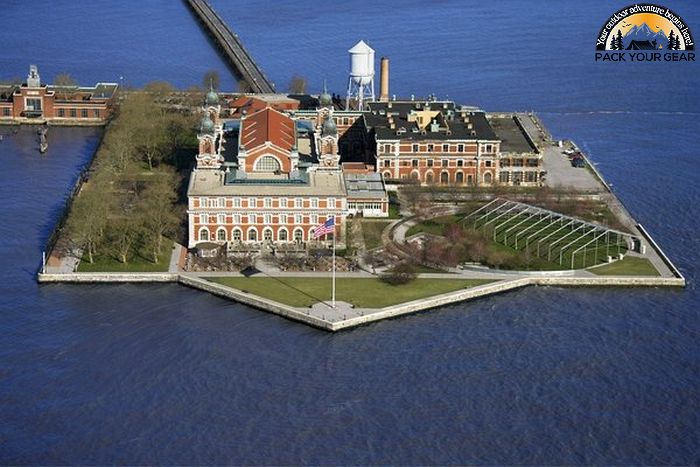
384	80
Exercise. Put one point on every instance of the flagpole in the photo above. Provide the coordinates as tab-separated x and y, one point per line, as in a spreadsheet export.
333	294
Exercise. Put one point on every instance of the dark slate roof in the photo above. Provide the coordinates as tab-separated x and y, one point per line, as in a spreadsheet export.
511	135
453	121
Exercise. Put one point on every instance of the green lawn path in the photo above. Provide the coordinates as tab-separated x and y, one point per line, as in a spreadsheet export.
628	266
361	292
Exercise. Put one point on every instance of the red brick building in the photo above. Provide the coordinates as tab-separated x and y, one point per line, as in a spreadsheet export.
34	102
433	142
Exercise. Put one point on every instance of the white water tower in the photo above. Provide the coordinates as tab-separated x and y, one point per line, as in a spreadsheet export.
361	82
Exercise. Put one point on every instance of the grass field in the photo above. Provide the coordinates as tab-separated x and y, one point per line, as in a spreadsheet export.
372	233
629	266
361	292
137	262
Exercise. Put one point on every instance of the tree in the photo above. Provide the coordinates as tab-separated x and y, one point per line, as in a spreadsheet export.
212	79
677	43
671	40
158	213
123	233
402	273
87	219
613	43
297	85
620	45
65	84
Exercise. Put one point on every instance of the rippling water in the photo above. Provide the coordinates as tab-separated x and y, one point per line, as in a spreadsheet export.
162	374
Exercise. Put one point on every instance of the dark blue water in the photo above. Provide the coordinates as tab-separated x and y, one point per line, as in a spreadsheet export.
163	374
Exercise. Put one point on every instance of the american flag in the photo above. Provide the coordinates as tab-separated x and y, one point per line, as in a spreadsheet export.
325	228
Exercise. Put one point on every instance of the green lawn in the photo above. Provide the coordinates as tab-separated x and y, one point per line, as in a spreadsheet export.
435	226
361	292
629	266
372	233
137	262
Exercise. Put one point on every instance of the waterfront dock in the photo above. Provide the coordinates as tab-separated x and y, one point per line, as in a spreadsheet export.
232	47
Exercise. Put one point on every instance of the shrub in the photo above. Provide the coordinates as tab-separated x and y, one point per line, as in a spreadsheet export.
402	273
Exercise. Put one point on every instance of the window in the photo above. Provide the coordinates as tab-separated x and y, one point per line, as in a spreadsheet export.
531	176
460	148
314	219
221	235
283	202
252	235
222	202
489	148
236	202
517	162
504	177
268	202
251	202
73	113
387	163
487	163
33	104
299	203
236	218
330	203
220	218
445	148
282	235
460	162
430	162
61	112
203	235
387	148
414	162
267	235
237	235
532	163
459	178
487	178
283	218
84	113
429	177
431	147
96	113
444	178
314	203
415	148
345	120
298	219
298	235
268	219
203	219
267	164
445	163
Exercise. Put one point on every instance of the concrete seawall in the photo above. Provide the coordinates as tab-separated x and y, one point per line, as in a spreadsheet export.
330	322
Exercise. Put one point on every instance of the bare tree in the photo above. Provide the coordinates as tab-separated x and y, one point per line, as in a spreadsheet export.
87	220
65	84
123	233
297	85
159	215
211	79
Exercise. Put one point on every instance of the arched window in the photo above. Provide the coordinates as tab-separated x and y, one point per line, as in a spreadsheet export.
429	177
267	164
487	178
252	235
298	235
311	232
203	235
237	234
444	178
283	235
470	180
414	175
459	178
387	175
221	235
267	235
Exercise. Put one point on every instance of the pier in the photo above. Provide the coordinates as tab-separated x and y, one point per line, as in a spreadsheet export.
232	47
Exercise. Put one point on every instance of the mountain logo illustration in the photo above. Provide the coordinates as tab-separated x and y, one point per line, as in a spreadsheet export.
645	26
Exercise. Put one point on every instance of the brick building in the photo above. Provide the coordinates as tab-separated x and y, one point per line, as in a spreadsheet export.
269	195
433	142
33	101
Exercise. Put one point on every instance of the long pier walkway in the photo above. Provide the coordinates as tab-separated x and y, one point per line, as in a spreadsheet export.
232	47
